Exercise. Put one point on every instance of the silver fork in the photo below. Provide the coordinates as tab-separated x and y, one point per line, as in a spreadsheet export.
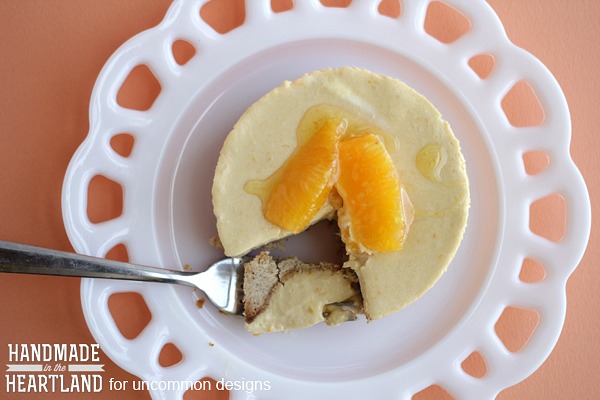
221	282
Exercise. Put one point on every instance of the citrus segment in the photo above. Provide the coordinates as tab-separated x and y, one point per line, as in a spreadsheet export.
372	216
306	179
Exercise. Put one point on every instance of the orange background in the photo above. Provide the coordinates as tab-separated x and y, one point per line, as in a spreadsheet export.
51	53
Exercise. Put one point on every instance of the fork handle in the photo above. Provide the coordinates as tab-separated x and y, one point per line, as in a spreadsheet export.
25	259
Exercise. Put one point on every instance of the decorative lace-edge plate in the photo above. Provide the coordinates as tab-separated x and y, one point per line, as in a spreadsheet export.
167	214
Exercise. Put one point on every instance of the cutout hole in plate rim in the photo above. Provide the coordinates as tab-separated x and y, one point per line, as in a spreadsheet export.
130	313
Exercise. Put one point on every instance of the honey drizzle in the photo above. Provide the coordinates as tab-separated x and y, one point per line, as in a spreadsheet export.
430	160
262	188
310	123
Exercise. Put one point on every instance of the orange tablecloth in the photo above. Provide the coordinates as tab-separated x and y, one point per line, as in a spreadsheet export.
51	53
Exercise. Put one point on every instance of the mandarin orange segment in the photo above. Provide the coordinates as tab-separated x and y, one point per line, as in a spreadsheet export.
306	179
370	188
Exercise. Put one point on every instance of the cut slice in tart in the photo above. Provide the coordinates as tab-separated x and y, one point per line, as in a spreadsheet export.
280	295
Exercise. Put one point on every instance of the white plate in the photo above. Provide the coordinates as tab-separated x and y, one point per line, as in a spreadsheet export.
167	215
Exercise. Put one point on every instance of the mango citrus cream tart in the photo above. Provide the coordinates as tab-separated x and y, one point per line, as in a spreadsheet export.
350	145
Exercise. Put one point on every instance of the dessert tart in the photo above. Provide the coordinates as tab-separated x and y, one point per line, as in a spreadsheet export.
350	144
